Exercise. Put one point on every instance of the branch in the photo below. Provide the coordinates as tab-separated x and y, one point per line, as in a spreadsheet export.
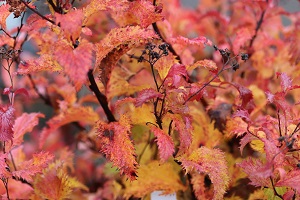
101	97
258	25
36	12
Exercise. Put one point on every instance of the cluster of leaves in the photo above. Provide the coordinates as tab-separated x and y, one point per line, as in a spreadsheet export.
139	96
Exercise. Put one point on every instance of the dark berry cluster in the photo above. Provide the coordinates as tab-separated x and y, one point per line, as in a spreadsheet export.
152	53
17	7
226	55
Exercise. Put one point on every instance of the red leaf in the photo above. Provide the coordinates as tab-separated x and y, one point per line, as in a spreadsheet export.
184	127
242	36
115	143
76	62
164	142
24	124
22	91
211	162
245	94
70	23
146	95
258	172
6	123
175	75
292	179
27	169
286	82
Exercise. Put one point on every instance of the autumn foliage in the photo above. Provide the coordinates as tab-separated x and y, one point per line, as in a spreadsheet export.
115	99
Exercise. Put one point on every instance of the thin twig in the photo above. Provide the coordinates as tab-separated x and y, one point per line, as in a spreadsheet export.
207	83
279	125
274	189
45	99
36	12
157	31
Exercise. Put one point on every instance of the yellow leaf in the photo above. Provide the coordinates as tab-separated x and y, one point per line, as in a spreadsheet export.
257	145
152	177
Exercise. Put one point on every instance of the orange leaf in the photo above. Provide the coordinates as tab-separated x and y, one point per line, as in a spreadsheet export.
211	162
43	63
24	124
28	169
4	13
140	12
115	143
208	64
55	183
132	36
72	114
76	61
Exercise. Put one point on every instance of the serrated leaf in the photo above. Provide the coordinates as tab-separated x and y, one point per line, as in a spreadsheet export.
154	176
55	183
72	114
141	12
242	36
28	169
24	124
6	123
43	63
291	179
211	162
184	126
164	142
70	23
199	41
130	35
146	95
117	42
258	172
76	61
207	64
115	143
4	13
